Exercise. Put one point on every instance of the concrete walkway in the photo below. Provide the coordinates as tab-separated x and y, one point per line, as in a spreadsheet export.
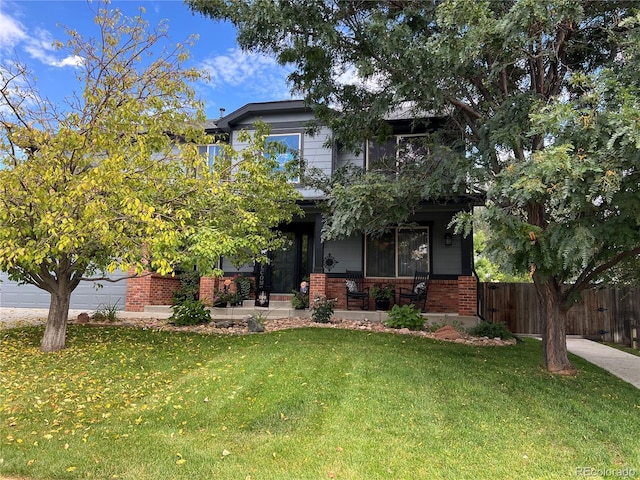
621	364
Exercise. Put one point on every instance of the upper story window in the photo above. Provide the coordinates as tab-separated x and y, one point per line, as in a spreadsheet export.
289	149
397	151
211	152
399	253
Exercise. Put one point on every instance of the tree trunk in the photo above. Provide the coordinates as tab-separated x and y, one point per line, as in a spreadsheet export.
55	332
554	326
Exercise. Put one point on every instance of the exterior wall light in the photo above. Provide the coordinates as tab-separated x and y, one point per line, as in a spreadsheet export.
448	239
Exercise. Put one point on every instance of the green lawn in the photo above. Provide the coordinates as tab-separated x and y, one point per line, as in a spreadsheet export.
303	404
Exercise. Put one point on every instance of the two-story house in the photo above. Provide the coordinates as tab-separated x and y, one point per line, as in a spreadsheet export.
391	258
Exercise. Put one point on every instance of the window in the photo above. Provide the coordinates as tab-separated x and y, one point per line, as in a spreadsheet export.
211	152
289	150
397	151
399	253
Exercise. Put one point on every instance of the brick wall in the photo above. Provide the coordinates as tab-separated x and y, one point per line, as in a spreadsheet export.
149	289
318	283
444	296
207	286
467	295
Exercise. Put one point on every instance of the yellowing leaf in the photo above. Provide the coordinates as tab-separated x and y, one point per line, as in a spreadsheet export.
71	469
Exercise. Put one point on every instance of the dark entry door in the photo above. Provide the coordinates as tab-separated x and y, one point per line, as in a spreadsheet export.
290	265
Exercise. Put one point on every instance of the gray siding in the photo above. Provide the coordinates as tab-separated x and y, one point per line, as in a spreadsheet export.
314	152
348	254
344	158
444	260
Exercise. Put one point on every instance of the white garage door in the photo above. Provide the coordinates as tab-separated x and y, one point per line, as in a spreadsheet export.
85	297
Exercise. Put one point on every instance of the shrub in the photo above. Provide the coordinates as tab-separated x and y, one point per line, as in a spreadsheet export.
189	287
300	300
243	286
322	309
491	330
190	312
405	316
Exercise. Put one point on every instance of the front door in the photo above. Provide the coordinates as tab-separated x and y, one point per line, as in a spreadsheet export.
291	264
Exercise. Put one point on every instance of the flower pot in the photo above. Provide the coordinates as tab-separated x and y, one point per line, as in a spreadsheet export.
383	304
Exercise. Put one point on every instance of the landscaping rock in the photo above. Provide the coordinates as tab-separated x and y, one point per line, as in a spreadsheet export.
254	325
447	333
224	324
83	317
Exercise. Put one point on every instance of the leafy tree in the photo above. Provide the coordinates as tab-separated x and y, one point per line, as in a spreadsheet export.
541	94
487	270
113	177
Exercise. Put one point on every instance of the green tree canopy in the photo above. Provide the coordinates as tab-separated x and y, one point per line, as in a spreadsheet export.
113	178
541	96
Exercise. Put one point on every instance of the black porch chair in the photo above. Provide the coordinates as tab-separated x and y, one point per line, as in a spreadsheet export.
417	295
356	291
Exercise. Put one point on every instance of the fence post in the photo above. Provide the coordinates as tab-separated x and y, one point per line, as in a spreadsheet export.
635	339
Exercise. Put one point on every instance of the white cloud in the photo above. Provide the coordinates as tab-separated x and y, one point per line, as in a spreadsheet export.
350	76
38	44
11	32
236	67
252	72
70	61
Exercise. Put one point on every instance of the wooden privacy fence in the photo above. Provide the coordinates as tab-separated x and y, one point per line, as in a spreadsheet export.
608	310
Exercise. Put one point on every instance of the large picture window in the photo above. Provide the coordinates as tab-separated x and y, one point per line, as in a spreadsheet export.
289	149
211	152
397	151
399	253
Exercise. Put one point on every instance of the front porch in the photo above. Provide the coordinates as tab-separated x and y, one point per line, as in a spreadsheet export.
448	299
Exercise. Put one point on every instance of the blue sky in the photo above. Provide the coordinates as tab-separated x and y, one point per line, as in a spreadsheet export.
28	27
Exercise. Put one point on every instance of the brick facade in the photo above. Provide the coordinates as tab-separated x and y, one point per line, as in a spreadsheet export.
207	286
444	296
149	289
467	295
318	286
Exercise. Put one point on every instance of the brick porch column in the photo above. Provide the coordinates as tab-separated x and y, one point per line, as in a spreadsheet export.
467	296
207	286
138	292
318	286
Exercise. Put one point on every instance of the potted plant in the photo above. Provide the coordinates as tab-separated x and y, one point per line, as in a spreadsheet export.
220	299
382	294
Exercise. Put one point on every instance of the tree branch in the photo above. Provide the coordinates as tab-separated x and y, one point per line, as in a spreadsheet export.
585	279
